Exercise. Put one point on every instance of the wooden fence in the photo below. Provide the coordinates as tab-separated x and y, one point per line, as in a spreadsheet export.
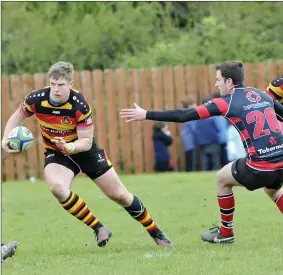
129	146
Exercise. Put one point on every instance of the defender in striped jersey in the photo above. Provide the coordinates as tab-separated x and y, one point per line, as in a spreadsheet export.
254	114
66	124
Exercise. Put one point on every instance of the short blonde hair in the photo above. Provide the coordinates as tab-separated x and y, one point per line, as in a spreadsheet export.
61	69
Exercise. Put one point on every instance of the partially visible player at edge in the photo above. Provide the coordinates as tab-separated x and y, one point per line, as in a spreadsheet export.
66	124
8	250
275	90
253	113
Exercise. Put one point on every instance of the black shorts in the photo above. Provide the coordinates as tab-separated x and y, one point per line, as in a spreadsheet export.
254	179
94	163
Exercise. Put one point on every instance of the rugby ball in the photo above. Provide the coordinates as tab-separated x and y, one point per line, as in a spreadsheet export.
20	139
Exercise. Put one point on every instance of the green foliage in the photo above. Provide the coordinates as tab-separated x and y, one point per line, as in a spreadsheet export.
111	35
251	32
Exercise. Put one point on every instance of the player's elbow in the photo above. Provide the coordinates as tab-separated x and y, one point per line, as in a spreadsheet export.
183	119
16	119
88	144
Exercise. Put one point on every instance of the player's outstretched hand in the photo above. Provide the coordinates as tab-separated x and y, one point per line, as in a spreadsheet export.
63	145
133	114
59	141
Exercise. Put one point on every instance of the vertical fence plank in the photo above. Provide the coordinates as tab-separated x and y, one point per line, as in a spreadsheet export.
39	83
16	90
86	87
77	81
147	125
212	79
31	124
192	83
157	89
125	136
136	127
261	82
180	89
8	159
249	75
100	119
171	104
112	118
180	92
203	82
271	72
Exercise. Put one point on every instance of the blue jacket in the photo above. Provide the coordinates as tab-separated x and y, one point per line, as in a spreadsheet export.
160	146
206	131
188	135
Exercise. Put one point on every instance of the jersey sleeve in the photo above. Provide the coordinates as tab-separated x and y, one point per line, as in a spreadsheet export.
178	115
27	107
216	107
84	113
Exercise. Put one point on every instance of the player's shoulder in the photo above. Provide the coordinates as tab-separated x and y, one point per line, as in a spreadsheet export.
276	86
223	98
247	90
277	83
79	102
253	95
37	95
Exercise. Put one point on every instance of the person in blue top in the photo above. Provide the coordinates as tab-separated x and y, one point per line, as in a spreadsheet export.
207	140
161	141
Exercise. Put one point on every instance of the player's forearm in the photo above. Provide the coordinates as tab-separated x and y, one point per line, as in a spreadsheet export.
14	121
82	145
179	115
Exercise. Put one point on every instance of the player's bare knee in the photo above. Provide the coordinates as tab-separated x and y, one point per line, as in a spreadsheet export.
121	197
58	189
272	193
220	178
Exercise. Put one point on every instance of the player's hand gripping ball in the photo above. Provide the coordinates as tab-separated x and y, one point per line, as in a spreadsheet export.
20	139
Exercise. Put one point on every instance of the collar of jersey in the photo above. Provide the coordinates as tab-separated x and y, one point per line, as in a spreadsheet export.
57	105
236	86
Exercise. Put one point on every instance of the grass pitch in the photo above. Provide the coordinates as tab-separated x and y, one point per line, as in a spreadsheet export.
52	242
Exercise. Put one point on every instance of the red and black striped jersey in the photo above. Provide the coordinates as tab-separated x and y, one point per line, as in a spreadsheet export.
60	120
253	113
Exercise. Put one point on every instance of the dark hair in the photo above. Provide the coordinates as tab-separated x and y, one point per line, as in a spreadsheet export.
158	125
233	70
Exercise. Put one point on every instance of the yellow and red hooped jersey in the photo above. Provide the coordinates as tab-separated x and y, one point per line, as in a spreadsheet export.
62	120
275	89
